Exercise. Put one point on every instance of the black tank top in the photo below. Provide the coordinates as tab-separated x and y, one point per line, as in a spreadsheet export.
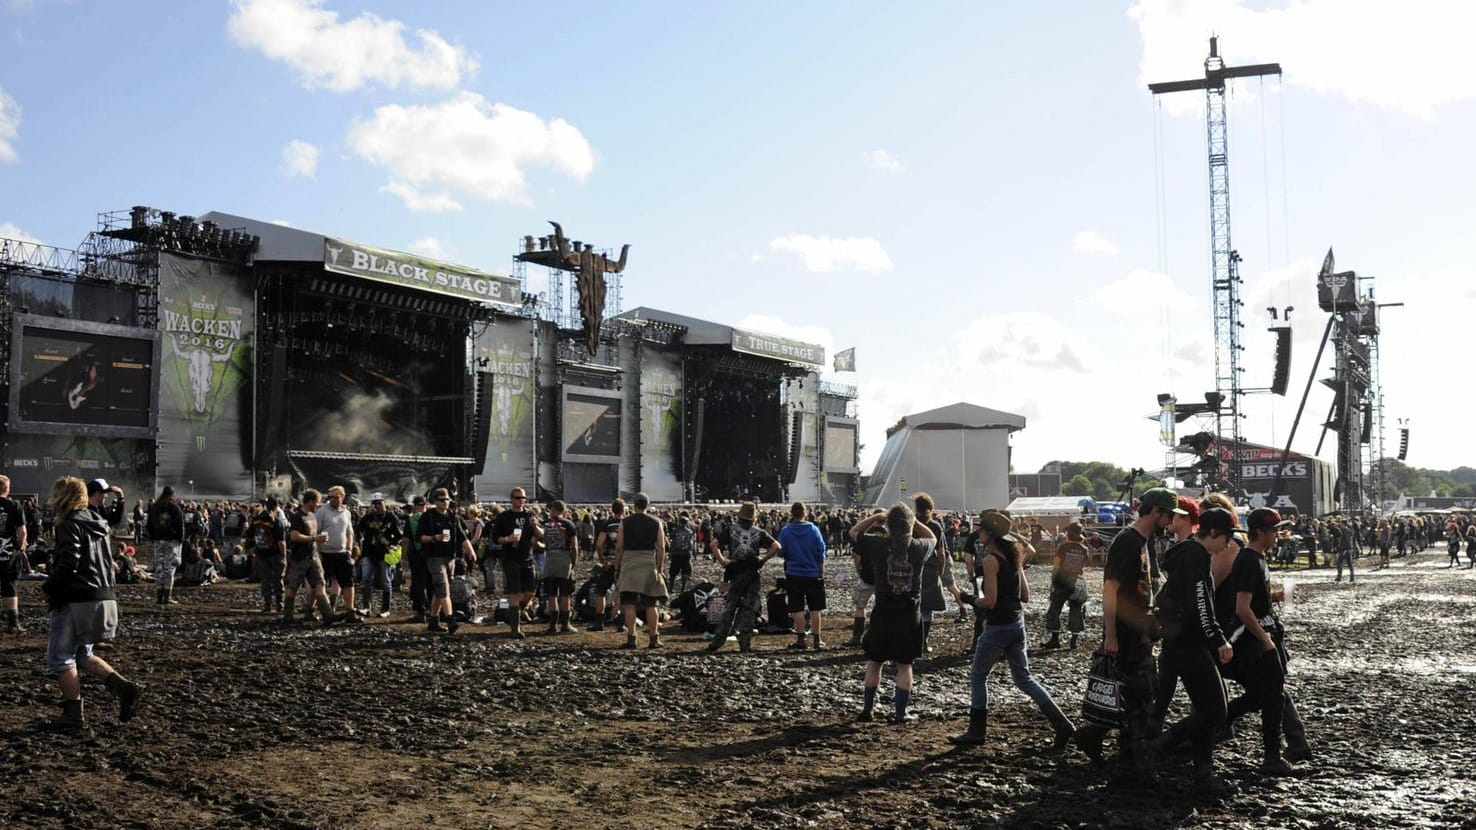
1007	596
641	531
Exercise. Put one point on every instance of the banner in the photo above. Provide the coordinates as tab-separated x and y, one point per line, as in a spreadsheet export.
208	318
409	271
660	422
779	348
34	462
505	348
840	446
846	361
1336	291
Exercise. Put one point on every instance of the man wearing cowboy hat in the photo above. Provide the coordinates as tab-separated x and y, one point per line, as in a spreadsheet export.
748	548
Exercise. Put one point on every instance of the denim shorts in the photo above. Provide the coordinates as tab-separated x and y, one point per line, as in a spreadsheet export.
63	651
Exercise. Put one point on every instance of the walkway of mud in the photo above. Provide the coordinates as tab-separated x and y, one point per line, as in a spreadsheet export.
250	724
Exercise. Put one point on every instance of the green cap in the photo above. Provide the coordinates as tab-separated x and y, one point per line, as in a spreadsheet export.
1161	497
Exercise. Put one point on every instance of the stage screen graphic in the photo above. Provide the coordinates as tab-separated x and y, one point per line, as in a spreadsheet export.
79	378
207	313
591	425
504	347
840	446
660	422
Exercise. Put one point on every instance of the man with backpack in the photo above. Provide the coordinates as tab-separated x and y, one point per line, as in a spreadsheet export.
269	555
680	539
166	525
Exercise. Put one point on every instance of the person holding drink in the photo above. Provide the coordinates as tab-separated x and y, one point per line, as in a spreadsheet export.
441	536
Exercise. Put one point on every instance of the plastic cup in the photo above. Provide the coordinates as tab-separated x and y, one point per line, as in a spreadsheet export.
446	535
1288	586
517	535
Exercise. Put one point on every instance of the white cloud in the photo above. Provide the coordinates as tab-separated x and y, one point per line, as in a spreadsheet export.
299	158
882	161
1410	57
283	222
1141	291
344	55
467	146
10	121
434	248
1091	242
9	230
823	254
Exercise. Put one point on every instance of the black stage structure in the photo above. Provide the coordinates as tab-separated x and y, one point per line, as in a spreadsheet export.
235	358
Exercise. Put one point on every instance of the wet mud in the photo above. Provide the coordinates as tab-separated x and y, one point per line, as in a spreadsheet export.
248	723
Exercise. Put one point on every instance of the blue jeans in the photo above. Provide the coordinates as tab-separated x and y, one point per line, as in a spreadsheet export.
1008	642
373	575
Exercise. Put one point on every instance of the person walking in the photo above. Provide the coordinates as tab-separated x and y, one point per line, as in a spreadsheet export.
1005	592
515	530
83	607
378	531
1067	588
303	564
269	555
442	536
336	522
13	537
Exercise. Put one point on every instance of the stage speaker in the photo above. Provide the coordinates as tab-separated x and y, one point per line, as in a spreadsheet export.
482	422
694	458
273	432
1283	360
1403	443
1366	432
796	441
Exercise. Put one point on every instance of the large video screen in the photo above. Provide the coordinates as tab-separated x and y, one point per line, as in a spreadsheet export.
840	445
591	425
82	378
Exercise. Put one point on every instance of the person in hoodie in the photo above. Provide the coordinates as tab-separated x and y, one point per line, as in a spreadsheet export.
1194	646
83	608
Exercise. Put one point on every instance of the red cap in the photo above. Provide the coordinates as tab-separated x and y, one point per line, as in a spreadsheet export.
1191	507
1263	518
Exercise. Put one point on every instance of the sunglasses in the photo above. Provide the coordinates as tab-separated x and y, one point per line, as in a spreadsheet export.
519	498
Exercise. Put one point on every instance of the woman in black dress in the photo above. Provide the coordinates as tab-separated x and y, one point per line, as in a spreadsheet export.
893	564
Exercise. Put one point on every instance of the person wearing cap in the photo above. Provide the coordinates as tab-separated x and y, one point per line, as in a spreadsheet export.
13	536
1002	600
336	522
894	566
98	493
748	547
269	555
1244	600
1067	587
561	543
166	532
415	556
1126	635
442	536
681	540
1194	646
378	531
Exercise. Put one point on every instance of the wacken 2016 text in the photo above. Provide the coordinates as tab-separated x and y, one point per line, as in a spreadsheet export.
189	331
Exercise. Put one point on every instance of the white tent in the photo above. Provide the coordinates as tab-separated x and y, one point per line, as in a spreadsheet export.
1045	506
959	454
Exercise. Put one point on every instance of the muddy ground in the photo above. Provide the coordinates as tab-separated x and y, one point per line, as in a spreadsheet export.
250	724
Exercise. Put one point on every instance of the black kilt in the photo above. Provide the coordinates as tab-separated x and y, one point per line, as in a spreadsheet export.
894	633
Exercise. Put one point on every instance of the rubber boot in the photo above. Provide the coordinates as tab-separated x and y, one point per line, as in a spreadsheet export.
516	622
858	627
798	644
553	624
745	641
564	626
288	608
325	607
630	641
159	596
449	620
868	704
977	731
599	623
1053	643
127	692
1272	764
434	624
819	643
1064	730
12	622
72	718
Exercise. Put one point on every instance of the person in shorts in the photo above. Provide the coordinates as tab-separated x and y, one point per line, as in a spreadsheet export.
303	564
803	548
84	609
895	634
12	549
561	545
336	522
604	569
441	535
640	548
515	530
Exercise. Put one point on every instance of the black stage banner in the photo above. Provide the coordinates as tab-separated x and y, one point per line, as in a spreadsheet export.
208	317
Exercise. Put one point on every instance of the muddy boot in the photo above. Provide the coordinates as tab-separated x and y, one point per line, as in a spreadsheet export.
630	641
1064	730
1073	642
72	719
435	625
1206	782
288	609
449	620
819	643
868	703
325	608
1053	643
1089	741
653	641
1272	764
858	627
900	699
553	624
127	692
12	622
564	627
169	596
798	644
599	624
927	630
977	731
516	624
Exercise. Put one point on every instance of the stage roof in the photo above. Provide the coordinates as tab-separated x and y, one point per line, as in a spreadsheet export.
760	344
964	416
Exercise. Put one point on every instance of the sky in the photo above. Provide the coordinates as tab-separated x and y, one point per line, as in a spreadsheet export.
982	198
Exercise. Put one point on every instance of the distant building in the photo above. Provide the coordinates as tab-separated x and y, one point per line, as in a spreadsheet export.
960	454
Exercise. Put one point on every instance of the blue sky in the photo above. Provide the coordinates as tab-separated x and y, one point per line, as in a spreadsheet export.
966	192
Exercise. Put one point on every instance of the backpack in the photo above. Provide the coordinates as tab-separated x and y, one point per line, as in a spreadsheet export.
463	598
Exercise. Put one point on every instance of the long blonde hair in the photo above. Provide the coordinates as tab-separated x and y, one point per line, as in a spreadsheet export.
69	493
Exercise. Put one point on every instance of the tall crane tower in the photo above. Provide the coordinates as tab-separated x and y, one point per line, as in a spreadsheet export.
1224	260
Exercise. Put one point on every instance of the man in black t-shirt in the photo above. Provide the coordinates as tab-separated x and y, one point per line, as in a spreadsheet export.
13	536
269	551
604	569
515	531
1127	595
166	530
748	547
303	564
